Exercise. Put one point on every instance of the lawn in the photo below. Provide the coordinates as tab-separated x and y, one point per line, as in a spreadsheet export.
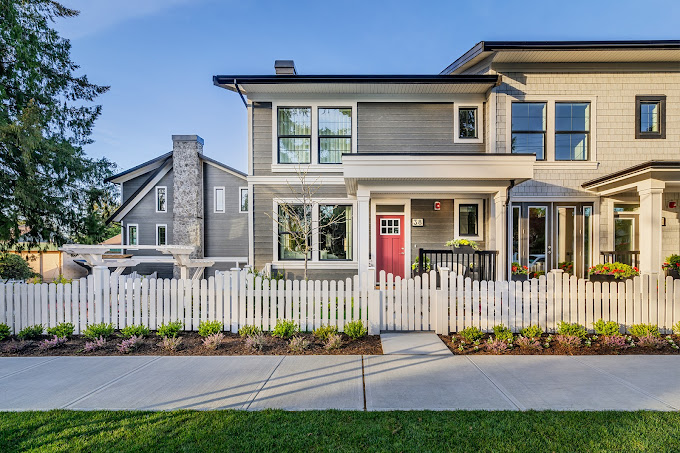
335	431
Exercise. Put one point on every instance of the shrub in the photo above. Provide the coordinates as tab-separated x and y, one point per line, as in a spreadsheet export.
502	333
532	332
355	329
650	341
285	329
643	330
471	334
676	329
462	242
620	271
63	280
529	343
575	329
213	340
247	331
333	341
31	332
14	267
323	332
128	345
298	343
52	343
256	341
171	329
608	328
207	328
614	341
95	331
569	341
62	330
13	346
170	343
98	343
4	331
672	262
496	346
138	331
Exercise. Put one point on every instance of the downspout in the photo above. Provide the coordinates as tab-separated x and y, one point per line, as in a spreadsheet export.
508	213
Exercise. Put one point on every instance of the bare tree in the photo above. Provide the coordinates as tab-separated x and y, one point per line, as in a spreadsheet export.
294	217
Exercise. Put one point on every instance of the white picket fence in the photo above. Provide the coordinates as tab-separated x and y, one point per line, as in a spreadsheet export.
237	298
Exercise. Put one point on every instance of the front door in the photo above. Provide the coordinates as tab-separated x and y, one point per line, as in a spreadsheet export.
390	244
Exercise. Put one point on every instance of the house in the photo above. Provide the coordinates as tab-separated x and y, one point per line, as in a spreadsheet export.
555	155
184	197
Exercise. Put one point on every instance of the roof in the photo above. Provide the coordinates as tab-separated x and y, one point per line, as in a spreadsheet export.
115	240
139	169
567	52
356	84
645	167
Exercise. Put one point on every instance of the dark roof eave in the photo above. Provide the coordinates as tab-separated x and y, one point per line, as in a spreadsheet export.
140	166
221	80
490	46
650	165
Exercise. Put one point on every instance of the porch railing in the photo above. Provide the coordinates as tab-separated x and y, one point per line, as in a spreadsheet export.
630	257
480	265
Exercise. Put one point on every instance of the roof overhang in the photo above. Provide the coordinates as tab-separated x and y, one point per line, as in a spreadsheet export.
139	170
427	171
667	173
648	51
357	84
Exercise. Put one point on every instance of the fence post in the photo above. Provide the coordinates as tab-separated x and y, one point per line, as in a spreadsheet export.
442	305
100	277
374	304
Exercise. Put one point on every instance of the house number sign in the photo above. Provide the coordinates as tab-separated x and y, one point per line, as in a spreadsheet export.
417	222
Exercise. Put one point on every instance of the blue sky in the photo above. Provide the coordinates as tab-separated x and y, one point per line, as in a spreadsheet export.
159	56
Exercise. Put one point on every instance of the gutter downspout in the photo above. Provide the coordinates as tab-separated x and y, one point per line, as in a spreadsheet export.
508	213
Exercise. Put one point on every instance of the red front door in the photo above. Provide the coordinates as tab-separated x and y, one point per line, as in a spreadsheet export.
390	244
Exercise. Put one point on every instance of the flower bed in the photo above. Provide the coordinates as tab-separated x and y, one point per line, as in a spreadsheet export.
609	272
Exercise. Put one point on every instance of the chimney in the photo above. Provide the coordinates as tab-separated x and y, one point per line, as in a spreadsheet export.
285	67
187	196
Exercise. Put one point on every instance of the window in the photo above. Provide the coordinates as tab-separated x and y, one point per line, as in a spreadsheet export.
468	219
161	237
132	238
528	128
335	232
243	197
390	227
294	229
161	199
650	116
572	130
467	122
335	134
219	199
294	135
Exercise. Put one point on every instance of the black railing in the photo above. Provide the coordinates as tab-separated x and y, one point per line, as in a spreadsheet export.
629	257
478	265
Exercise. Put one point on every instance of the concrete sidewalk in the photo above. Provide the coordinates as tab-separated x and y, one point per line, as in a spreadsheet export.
386	382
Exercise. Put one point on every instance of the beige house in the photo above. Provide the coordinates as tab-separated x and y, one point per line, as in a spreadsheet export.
555	155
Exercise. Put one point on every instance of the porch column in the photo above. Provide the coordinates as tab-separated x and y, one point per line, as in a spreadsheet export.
363	233
499	211
651	204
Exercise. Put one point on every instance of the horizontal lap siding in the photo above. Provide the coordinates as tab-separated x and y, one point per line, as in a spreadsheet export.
403	127
262	138
144	214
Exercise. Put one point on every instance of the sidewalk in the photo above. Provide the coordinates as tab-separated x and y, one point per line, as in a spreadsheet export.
387	382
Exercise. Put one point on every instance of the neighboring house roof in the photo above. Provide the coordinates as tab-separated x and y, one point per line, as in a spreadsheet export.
139	169
567	52
663	170
116	240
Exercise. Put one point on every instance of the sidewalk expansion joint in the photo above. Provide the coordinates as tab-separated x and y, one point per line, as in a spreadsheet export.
109	383
264	382
29	367
507	395
363	381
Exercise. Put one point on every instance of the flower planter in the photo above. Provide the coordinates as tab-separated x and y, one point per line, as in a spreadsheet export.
463	250
607	278
673	273
520	277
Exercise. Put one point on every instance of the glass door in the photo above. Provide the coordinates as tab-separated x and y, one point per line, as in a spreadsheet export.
531	239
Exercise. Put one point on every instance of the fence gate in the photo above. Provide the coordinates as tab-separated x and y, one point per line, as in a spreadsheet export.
406	303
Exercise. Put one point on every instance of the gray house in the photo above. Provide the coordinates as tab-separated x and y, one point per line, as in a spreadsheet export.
184	197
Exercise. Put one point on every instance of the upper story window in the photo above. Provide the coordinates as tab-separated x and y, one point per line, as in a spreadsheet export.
467	122
161	199
243	197
219	200
335	134
132	238
572	130
294	135
161	235
650	116
528	128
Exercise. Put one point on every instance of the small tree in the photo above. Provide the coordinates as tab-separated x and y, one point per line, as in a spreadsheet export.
294	218
14	267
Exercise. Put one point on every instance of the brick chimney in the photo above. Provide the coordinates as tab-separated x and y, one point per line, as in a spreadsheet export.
187	199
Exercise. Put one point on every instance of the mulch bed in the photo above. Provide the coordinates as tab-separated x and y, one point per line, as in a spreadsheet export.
192	345
453	342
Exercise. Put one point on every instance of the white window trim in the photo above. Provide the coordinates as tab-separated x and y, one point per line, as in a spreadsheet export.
224	201
166	198
390	218
480	122
240	205
480	218
164	225
314	148
550	163
314	262
127	233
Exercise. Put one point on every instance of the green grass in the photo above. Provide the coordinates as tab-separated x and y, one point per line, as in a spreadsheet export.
278	431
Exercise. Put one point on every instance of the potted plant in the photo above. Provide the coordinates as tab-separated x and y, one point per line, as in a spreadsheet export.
611	272
463	246
567	267
672	266
427	267
519	272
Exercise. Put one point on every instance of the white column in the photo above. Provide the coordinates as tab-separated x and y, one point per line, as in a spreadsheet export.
363	231
500	232
651	204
